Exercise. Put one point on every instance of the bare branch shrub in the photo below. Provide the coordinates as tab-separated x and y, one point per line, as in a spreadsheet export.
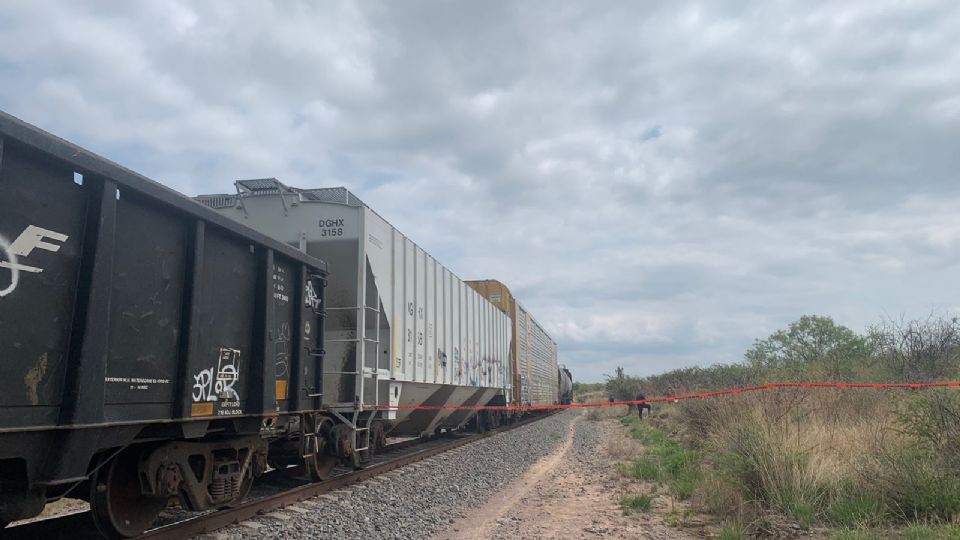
918	349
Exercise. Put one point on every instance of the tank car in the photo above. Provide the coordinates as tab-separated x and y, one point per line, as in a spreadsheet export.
151	347
566	386
403	330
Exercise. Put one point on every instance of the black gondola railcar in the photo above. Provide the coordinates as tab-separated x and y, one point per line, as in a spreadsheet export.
150	347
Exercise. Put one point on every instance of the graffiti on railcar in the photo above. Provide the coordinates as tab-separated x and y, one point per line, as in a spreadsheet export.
203	386
217	383
458	361
441	364
228	373
282	348
311	299
31	238
487	368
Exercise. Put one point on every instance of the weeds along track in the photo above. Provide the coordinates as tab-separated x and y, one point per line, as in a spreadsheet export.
275	490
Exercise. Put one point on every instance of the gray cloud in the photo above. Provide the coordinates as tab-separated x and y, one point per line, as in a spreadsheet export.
659	183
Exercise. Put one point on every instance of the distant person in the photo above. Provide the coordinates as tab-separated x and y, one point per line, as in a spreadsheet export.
642	406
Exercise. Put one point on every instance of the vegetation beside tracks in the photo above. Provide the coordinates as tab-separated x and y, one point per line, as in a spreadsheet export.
857	463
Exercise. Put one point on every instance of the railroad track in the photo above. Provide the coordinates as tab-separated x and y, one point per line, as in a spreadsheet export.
266	497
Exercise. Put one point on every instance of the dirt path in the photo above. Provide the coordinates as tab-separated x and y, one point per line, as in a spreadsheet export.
481	523
572	493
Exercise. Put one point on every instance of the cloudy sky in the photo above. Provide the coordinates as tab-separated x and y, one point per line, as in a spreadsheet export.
660	182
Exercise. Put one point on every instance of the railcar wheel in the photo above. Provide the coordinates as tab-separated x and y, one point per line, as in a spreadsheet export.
118	507
341	441
321	464
379	435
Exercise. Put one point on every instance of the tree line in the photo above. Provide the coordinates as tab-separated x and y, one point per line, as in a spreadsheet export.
816	348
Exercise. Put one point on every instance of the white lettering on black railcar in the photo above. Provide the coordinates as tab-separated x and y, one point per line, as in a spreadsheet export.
31	238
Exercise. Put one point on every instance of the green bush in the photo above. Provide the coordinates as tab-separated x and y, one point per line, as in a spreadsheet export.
682	488
665	461
856	509
731	532
645	469
636	503
647	435
802	510
677	517
932	419
915	485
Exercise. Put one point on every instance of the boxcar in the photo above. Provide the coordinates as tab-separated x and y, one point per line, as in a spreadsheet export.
151	347
533	352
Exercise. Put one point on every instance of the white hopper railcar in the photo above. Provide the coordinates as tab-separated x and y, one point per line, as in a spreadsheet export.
401	329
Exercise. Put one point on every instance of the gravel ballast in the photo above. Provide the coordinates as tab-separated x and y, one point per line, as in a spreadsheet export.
418	500
588	439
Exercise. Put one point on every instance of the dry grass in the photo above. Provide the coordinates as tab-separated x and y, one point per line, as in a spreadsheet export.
796	453
622	448
840	457
853	459
603	413
591	397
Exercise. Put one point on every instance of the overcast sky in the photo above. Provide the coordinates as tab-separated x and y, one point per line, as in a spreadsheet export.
659	182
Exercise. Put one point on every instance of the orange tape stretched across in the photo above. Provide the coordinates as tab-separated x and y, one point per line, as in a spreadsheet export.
667	399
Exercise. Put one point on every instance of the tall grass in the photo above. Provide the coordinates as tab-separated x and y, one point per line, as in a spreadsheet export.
851	460
857	460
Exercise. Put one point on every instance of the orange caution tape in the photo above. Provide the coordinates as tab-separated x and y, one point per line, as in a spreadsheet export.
667	399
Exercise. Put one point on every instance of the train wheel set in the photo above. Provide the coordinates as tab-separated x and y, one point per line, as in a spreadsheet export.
160	350
118	506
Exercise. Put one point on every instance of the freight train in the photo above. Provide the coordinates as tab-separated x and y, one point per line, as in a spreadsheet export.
159	350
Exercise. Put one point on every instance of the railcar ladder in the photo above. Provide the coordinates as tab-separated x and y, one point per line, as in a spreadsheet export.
362	440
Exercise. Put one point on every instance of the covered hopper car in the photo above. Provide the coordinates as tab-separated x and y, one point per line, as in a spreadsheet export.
402	330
